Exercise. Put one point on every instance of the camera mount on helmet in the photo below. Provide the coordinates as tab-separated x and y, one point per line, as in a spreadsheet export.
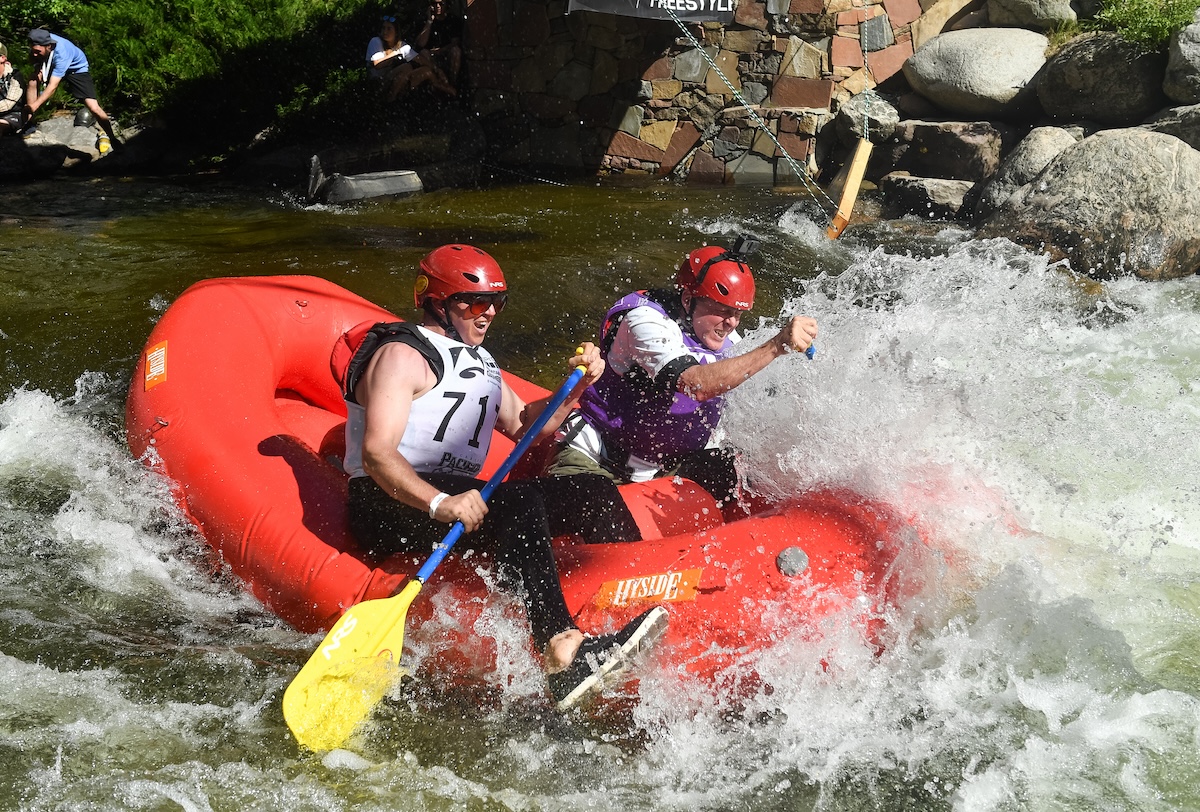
743	248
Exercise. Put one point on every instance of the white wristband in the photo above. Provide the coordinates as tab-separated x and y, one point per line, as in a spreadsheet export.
434	502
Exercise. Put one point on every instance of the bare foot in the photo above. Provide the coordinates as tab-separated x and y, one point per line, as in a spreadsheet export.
560	651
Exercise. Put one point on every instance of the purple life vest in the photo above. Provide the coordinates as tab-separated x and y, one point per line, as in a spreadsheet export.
639	417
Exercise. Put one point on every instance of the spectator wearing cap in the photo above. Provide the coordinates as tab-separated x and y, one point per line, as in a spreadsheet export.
57	60
12	89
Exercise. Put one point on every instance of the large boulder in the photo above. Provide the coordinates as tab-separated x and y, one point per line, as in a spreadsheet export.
982	72
61	129
954	150
1039	15
1031	156
1182	80
867	112
19	161
50	145
931	198
1181	122
1117	203
1101	77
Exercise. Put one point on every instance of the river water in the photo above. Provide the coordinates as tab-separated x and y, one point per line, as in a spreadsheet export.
1042	431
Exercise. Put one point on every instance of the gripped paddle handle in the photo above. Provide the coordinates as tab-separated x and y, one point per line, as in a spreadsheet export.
511	460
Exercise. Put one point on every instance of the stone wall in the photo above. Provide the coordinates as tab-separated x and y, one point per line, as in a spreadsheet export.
595	93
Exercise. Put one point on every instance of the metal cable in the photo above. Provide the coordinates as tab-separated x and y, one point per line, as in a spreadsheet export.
809	185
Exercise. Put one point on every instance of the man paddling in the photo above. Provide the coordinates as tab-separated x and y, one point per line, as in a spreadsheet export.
669	362
422	402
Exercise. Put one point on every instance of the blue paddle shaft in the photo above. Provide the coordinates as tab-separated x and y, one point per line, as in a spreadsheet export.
511	460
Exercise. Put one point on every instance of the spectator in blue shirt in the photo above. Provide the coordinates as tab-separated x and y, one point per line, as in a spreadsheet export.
57	60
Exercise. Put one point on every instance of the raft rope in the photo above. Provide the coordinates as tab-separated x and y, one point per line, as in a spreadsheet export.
815	191
522	175
866	124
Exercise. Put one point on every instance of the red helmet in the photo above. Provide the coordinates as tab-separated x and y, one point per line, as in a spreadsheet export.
717	274
455	269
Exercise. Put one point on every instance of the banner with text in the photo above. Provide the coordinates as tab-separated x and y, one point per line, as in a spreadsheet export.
692	11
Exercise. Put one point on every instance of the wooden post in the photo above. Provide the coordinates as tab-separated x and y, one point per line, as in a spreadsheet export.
857	167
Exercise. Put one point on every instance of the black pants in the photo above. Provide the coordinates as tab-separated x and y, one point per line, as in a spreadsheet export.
522	518
713	469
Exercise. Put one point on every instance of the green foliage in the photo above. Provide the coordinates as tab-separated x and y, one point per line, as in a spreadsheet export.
18	16
1061	34
152	51
216	71
1148	24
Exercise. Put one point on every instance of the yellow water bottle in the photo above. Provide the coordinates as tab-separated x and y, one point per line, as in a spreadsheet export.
102	144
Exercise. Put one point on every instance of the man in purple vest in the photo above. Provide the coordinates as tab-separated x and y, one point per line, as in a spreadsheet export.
653	411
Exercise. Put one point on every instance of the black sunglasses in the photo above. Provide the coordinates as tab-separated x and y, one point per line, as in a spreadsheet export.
478	303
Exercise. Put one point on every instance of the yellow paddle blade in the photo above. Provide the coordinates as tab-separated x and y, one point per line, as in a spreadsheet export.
355	665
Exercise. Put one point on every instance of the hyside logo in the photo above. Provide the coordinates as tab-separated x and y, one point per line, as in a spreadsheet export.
663	587
156	365
343	630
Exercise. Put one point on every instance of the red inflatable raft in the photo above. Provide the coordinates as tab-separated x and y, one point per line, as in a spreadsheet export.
234	400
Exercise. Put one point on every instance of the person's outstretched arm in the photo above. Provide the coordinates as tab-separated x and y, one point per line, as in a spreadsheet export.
704	381
34	100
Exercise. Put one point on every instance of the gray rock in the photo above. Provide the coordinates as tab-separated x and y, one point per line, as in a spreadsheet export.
19	161
725	150
1181	122
979	71
62	130
691	66
956	150
876	34
932	198
704	112
870	109
1036	150
1039	15
1182	80
752	169
754	92
1117	203
631	121
768	65
1103	78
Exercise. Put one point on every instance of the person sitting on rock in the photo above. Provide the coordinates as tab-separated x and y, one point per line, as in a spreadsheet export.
12	91
400	66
